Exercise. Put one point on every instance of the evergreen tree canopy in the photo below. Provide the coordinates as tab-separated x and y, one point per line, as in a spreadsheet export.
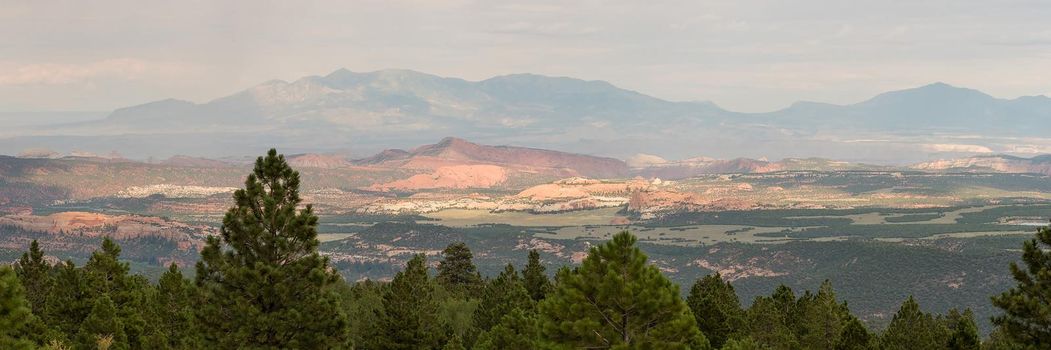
456	271
615	300
767	325
410	311
823	319
534	277
174	310
70	302
964	330
855	337
105	272
1027	306
263	282
742	344
14	311
501	295
456	343
35	274
716	308
102	322
517	330
912	328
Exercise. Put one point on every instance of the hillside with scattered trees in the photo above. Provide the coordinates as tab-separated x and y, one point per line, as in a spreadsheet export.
262	284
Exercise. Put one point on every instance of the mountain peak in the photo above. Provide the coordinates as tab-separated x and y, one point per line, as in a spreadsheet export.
929	94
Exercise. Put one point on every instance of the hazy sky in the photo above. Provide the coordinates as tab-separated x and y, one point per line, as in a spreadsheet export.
743	55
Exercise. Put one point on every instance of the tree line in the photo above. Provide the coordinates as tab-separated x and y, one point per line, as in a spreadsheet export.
261	284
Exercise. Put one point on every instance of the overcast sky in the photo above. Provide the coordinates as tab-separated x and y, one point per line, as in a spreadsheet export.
743	55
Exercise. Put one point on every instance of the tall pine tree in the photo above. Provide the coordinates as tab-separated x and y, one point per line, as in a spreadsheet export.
964	331
173	309
534	278
1027	306
15	313
70	301
456	271
410	311
501	295
35	274
264	284
103	322
823	319
911	328
615	300
767	325
716	308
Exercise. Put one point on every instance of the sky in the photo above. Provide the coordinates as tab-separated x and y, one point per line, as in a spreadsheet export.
750	56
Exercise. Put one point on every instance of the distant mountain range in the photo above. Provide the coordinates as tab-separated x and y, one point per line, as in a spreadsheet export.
365	112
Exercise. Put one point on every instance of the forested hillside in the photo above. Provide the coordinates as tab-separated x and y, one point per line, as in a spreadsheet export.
261	284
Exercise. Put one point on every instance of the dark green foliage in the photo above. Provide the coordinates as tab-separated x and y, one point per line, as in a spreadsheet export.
535	278
964	331
768	325
35	274
456	271
410	311
456	343
855	337
615	300
517	330
173	309
742	344
15	312
102	322
70	301
822	319
456	316
501	295
364	304
716	308
912	328
1026	307
263	283
998	341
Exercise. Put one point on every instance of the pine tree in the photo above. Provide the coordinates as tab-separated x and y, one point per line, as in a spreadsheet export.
855	337
501	295
912	328
104	271
534	278
364	305
15	313
716	308
767	324
518	330
822	319
263	282
454	344
410	311
456	315
1027	306
106	275
174	305
742	344
35	274
456	271
70	301
102	322
964	330
615	300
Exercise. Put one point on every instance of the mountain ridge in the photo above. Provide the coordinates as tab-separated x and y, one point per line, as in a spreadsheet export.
392	108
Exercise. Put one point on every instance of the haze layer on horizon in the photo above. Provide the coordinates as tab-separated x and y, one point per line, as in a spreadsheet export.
745	56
